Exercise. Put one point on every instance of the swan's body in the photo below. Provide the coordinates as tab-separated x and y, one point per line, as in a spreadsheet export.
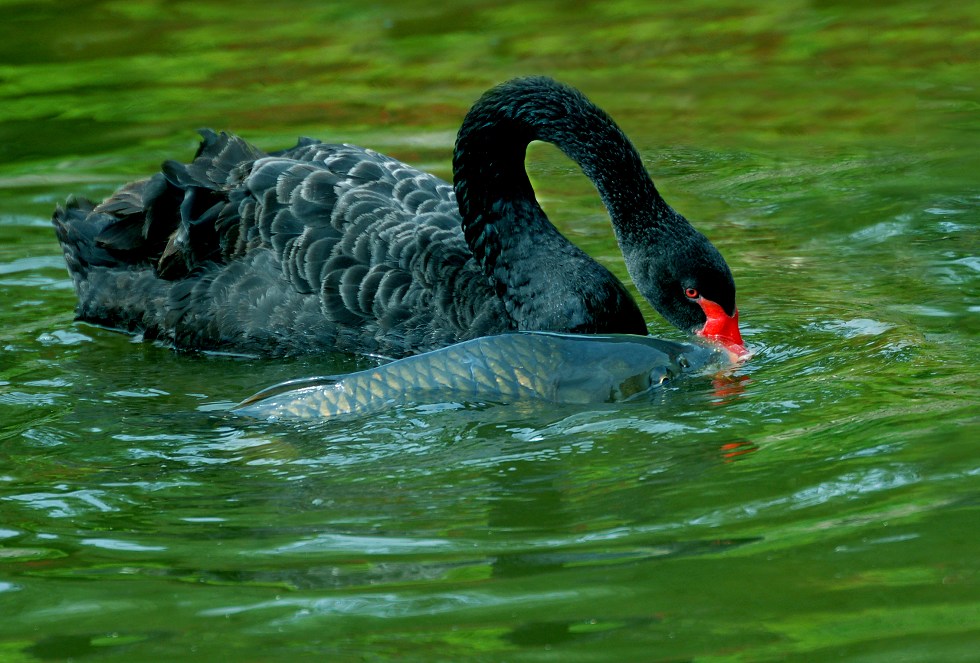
320	247
531	366
335	247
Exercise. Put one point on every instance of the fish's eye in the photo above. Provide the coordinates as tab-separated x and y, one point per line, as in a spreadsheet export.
691	293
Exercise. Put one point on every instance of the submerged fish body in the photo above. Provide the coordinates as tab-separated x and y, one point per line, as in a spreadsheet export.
560	368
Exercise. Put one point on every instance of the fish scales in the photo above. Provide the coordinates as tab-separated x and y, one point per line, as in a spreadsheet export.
440	373
516	366
442	377
341	403
509	368
535	367
375	386
503	374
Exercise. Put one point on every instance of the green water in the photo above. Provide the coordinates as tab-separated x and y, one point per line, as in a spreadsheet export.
819	503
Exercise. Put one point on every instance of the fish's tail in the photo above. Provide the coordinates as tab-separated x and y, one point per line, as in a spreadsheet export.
361	393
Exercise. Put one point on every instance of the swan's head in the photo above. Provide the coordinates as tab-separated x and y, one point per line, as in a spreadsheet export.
686	279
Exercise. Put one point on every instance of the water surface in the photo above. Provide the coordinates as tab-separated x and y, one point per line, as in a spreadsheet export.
818	503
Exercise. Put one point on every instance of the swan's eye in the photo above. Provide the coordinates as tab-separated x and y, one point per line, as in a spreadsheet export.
692	293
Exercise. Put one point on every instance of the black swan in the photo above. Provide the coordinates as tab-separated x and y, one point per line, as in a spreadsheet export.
338	248
521	366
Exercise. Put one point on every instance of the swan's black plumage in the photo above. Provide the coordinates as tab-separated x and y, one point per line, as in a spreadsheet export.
335	247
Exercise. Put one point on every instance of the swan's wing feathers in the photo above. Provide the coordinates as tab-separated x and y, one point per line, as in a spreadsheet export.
350	289
307	188
316	246
415	200
330	294
370	282
358	170
414	189
318	190
330	230
291	179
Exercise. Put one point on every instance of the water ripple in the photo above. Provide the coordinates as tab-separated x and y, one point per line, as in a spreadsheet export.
68	504
390	604
24	399
851	486
119	545
367	545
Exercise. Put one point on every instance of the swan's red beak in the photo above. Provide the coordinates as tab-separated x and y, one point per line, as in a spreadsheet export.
722	328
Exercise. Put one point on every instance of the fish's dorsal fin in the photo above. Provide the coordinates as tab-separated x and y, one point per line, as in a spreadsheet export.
290	385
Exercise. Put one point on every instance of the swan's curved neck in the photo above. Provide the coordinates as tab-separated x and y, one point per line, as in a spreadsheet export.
491	181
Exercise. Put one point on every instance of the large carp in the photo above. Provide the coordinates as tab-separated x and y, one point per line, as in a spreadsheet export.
520	366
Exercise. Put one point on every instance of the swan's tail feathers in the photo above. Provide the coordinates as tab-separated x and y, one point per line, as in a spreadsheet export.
77	228
222	161
203	225
106	257
171	223
129	229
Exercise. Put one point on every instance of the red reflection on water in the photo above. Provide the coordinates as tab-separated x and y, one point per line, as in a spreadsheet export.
728	387
732	451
